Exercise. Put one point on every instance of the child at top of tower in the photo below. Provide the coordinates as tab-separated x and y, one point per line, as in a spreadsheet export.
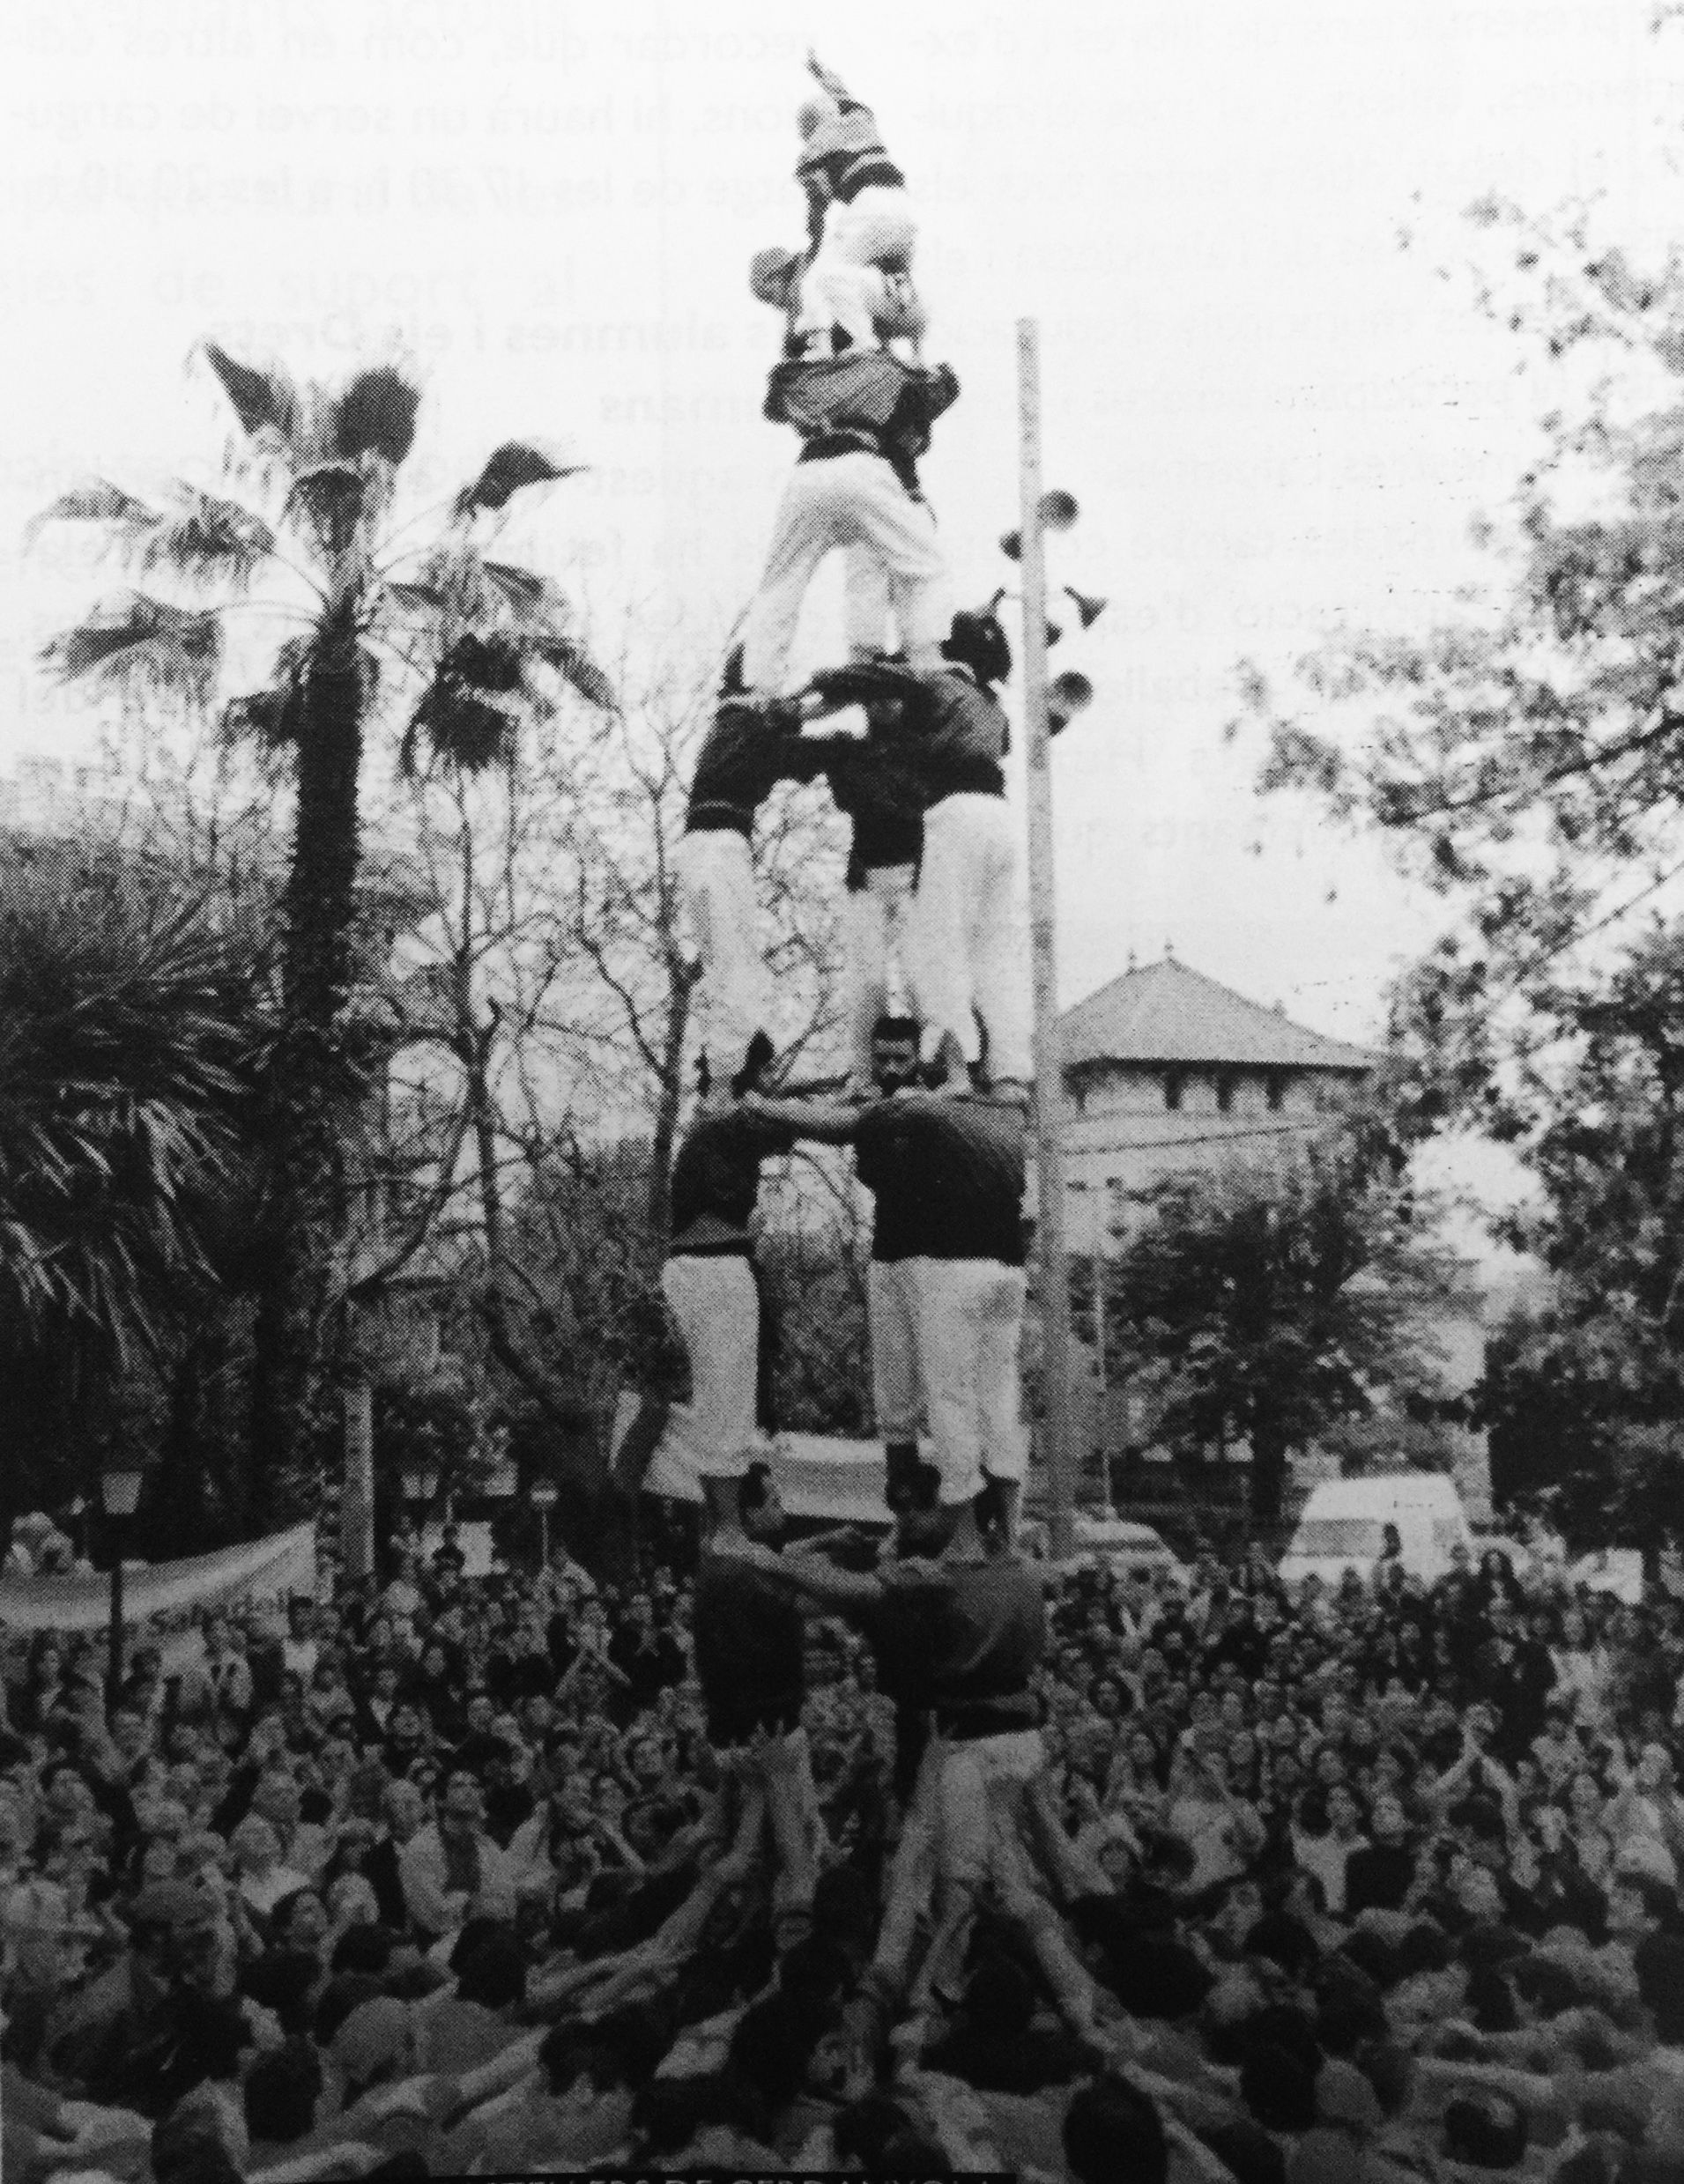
859	220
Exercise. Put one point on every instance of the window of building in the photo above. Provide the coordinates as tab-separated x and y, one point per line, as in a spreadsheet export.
1225	1094
1277	1087
1173	1084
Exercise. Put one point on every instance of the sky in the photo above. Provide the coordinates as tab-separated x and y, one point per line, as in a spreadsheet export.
1276	420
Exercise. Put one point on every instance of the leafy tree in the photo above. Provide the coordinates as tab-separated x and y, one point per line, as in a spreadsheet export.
1525	758
1587	1389
128	1061
461	648
1269	1305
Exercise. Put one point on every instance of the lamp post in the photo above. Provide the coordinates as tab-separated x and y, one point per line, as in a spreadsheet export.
1046	710
119	1484
543	1499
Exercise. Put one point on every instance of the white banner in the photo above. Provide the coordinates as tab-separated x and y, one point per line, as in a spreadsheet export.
263	1569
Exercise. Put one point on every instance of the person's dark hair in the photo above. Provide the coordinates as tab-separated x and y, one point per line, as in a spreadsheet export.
280	2093
621	2049
1487	2130
1547	1984
494	1974
897	1030
1491	2001
1113	2134
753	1488
473	1934
999	1996
756	1060
1373	1956
1250	2154
283	1980
345	1992
363	1948
1348	2014
731	683
977	641
1423	1947
1283	1940
1278	2088
668	2111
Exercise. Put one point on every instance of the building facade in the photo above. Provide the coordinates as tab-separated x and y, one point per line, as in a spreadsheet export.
1166	1069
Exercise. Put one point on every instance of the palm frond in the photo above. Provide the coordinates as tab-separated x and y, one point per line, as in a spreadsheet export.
269	718
375	415
466	729
580	671
331	498
541	612
518	462
418	598
124	1068
97	501
143	643
264	402
209	538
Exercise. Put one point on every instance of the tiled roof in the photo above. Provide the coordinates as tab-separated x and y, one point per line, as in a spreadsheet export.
1165	1012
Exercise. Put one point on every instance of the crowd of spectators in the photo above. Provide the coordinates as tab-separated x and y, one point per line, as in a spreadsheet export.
1372	1883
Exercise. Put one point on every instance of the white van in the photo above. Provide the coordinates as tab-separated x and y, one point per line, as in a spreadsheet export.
1344	1527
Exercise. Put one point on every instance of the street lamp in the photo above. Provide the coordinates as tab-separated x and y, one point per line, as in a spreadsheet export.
545	1498
120	1478
1046	709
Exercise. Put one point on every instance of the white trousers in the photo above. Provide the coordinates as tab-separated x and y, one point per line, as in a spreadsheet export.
861	268
970	1323
852	500
875	227
715	873
874	932
718	1313
892	1310
968	950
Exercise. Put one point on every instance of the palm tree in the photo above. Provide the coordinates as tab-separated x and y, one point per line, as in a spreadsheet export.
126	1045
462	648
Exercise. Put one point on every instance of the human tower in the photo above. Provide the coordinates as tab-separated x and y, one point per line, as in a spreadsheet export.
910	736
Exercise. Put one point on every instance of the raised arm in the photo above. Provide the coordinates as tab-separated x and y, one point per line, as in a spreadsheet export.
827	1122
808	1577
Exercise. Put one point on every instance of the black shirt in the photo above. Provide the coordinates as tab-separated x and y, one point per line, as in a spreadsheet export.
873	783
742	760
955	738
948	1174
987	1630
717	1179
1377	1877
750	1649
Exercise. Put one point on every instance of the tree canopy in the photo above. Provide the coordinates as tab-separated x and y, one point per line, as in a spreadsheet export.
1272	1304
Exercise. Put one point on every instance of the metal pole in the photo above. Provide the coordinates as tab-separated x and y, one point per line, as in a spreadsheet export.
1052	1266
357	1503
114	1684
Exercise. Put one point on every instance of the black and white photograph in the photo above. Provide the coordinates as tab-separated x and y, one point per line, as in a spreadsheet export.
842	1090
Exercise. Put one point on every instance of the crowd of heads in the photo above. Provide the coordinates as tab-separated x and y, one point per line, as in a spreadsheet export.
1380	1872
